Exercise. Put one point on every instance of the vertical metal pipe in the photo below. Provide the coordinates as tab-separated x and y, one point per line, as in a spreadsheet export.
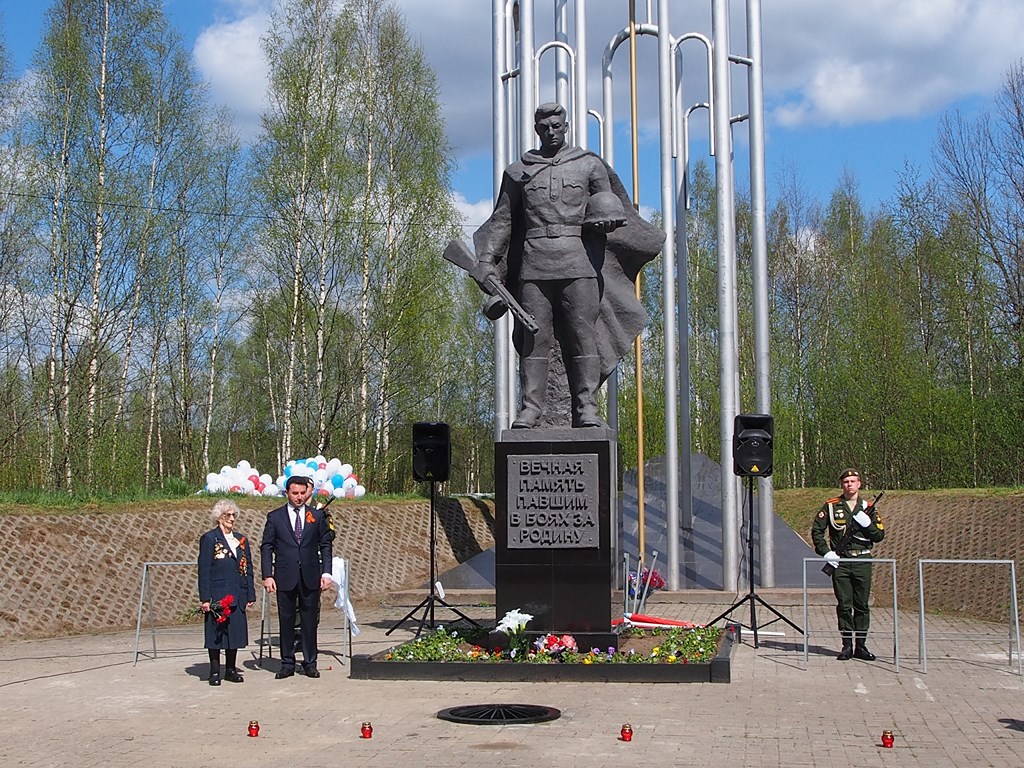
608	153
527	97
637	344
499	147
669	309
683	282
727	313
562	81
759	267
582	106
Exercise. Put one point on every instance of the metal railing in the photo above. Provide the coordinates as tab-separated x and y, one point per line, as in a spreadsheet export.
1014	625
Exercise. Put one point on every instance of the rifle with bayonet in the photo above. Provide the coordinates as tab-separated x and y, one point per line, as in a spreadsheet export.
843	547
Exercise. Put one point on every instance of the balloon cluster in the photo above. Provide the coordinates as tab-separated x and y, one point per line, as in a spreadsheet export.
330	477
242	478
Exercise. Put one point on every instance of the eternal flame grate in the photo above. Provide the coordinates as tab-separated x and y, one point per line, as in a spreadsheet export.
499	714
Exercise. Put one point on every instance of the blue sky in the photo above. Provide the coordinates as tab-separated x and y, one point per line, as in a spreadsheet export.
854	86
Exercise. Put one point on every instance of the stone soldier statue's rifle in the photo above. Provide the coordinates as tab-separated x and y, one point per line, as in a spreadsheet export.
458	253
843	548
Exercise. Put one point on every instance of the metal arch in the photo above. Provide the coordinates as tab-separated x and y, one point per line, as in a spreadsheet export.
571	108
599	119
608	153
677	87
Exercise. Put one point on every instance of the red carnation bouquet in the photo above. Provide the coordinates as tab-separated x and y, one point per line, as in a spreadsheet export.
222	608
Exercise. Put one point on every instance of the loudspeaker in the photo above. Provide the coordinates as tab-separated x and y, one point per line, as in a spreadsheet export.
431	451
752	445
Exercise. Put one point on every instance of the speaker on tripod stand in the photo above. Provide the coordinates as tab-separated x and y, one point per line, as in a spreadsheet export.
431	462
752	457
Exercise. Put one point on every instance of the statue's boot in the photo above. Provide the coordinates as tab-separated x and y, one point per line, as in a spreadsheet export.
533	379
584	379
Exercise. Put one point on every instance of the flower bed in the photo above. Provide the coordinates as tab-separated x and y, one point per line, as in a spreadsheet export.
677	655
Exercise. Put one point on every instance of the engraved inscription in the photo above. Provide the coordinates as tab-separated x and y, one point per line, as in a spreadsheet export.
553	501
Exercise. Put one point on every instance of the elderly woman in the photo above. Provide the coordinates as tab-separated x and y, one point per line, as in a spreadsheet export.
226	589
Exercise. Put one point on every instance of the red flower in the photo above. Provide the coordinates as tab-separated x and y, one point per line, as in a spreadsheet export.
221	609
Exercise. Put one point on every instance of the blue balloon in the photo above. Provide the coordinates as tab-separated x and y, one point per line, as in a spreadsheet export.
288	471
337	480
311	463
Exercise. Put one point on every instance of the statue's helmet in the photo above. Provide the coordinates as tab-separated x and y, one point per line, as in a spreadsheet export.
604	206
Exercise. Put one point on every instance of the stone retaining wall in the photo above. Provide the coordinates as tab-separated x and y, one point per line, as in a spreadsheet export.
81	572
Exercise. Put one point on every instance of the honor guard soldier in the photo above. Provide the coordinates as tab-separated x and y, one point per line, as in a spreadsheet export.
847	527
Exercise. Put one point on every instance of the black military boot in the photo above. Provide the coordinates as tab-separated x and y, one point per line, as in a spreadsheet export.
847	653
861	651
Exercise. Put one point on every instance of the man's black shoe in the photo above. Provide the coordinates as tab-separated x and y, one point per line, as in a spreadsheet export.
863	653
847	653
285	672
233	676
312	672
214	678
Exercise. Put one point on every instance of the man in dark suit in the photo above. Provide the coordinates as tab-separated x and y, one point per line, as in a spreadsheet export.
296	560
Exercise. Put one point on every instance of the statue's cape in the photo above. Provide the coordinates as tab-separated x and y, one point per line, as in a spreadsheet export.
618	256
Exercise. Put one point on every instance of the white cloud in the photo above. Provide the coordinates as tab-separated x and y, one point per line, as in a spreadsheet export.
826	63
473	214
229	56
847	63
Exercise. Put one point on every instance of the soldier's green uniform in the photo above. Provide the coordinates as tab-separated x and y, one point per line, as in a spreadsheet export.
851	581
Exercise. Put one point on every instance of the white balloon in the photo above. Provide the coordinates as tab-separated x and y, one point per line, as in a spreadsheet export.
265	479
271	490
338	493
243	464
350	482
301	470
280	481
345	470
225	469
248	485
333	466
211	477
320	459
327	486
360	491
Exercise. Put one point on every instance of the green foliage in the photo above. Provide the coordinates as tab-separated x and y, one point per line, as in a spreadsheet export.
187	309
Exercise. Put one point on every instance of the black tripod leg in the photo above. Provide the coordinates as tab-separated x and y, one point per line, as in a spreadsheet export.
456	611
726	612
770	608
424	603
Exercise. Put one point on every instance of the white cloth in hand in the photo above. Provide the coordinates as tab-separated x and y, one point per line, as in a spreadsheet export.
831	558
862	519
339	575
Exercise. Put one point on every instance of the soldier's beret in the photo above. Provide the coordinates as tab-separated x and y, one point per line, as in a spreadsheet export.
849	473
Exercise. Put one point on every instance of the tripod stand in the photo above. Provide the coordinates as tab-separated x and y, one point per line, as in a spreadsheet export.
427	603
752	597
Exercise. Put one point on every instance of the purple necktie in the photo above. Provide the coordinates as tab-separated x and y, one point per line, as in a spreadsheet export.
298	524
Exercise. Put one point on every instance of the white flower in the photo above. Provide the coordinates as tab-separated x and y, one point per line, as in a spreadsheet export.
513	621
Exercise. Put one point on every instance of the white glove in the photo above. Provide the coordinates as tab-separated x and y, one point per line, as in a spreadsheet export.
862	519
831	558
